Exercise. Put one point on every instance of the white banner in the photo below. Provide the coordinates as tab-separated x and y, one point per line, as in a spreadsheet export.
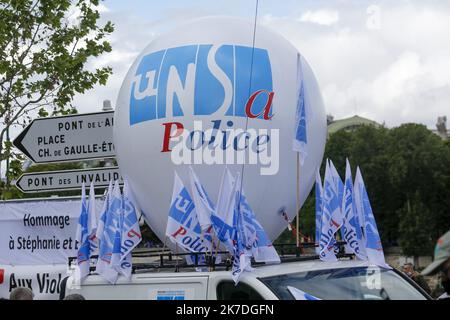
39	232
43	280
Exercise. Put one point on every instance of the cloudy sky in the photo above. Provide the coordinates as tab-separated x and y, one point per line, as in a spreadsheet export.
385	60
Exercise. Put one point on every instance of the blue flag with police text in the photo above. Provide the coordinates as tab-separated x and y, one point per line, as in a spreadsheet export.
131	233
82	236
374	249
183	227
300	142
351	228
243	239
110	237
103	212
329	227
222	218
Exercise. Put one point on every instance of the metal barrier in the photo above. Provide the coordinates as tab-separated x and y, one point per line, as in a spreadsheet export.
167	260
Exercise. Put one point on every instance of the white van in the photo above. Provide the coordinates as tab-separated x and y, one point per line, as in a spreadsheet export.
346	279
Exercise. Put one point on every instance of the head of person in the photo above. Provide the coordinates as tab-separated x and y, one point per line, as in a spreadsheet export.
21	294
441	262
74	296
408	268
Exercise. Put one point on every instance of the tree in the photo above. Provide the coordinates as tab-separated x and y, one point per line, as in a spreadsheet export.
420	164
45	46
416	226
407	174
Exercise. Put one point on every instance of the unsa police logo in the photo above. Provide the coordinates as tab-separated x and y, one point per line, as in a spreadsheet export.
202	80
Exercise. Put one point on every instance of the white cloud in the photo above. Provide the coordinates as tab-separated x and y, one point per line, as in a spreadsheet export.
398	73
321	17
117	57
101	8
74	13
395	74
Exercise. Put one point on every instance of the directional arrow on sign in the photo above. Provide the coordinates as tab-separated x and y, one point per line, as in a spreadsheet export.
67	179
68	138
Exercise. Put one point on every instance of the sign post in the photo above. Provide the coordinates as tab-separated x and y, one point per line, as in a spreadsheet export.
68	138
67	179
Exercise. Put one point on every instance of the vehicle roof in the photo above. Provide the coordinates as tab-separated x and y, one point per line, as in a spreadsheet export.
258	272
300	266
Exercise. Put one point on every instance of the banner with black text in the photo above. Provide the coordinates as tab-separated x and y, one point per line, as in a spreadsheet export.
39	232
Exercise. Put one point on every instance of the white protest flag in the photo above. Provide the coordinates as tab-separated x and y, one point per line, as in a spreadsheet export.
116	254
128	234
242	243
261	246
131	232
119	261
83	212
203	204
301	295
117	208
105	266
204	209
92	220
351	229
328	226
338	216
125	267
248	231
300	142
250	239
102	218
183	227
241	256
225	198
374	249
358	202
82	237
319	210
222	219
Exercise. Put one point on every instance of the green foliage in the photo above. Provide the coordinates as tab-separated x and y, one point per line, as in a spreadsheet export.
415	227
407	174
44	50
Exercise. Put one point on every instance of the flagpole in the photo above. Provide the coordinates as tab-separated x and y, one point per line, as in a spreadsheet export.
176	257
214	255
298	205
164	246
212	249
217	248
297	201
218	243
202	235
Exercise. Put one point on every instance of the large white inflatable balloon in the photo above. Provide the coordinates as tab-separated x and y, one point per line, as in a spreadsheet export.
193	88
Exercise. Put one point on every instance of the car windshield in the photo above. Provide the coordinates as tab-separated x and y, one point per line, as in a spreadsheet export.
359	283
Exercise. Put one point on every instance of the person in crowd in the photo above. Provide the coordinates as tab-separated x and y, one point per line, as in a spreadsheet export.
437	291
441	263
74	296
21	294
410	271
